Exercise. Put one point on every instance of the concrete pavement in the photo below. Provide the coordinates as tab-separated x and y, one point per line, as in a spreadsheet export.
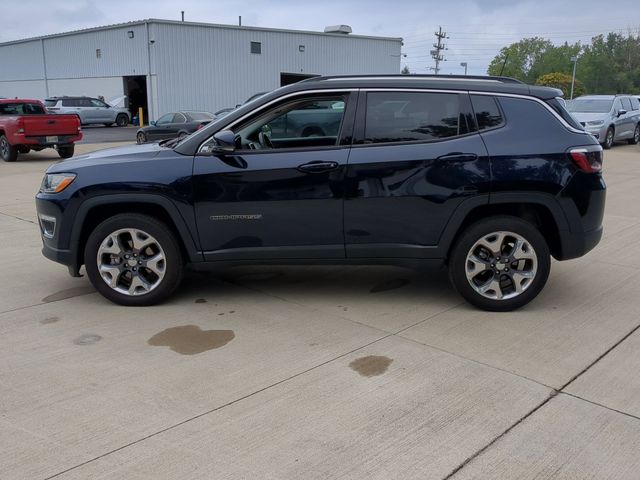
255	372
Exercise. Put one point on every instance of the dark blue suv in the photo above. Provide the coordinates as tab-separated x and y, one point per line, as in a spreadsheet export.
487	175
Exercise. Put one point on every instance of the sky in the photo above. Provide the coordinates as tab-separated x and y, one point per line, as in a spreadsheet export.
476	29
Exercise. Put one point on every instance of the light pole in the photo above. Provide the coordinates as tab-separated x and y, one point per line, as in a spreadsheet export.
573	77
464	64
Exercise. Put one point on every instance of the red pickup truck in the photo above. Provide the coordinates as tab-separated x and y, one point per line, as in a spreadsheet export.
25	125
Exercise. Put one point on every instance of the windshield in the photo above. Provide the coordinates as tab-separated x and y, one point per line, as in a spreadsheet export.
584	105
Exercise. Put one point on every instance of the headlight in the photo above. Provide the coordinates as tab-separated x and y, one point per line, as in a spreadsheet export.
56	182
596	122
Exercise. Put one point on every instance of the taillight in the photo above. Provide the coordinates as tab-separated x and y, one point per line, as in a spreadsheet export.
587	158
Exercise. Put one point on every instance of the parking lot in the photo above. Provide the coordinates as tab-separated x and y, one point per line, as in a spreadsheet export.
319	372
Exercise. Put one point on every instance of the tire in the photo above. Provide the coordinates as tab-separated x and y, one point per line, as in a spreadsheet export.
608	138
141	138
534	264
66	151
8	152
636	136
155	282
122	120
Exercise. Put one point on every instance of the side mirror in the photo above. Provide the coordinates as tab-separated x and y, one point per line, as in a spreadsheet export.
225	142
622	112
153	123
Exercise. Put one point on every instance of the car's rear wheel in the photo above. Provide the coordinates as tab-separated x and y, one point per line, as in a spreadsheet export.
8	152
636	136
66	151
133	259
122	120
141	138
608	138
500	263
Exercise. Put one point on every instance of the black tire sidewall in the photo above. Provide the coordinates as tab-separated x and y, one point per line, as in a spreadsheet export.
141	138
12	151
66	151
457	261
122	123
608	144
155	228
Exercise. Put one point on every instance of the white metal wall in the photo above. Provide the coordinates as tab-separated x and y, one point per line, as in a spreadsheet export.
208	67
193	66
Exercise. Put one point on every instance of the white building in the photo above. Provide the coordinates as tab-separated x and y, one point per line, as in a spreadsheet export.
167	65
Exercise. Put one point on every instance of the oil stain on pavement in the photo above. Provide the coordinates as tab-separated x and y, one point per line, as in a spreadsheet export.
191	340
48	320
87	339
69	293
371	366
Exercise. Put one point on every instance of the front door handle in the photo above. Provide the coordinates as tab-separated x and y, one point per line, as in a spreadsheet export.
459	157
318	167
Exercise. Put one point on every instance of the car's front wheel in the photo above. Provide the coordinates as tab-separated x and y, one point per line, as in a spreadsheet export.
608	139
133	259
500	263
141	138
122	120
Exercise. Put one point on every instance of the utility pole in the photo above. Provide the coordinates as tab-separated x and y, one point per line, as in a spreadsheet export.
435	54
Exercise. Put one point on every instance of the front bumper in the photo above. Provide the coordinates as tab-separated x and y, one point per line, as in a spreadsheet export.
55	234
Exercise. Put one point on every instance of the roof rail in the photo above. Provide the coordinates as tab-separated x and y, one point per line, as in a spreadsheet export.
416	76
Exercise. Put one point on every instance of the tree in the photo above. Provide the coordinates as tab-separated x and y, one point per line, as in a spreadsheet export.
405	70
518	59
608	64
563	82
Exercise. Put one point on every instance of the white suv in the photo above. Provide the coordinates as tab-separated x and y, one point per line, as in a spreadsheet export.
90	110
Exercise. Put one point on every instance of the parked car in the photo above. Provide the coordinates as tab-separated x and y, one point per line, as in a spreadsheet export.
485	175
89	110
172	125
25	125
610	118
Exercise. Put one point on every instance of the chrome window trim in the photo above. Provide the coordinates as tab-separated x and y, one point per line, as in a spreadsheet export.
541	102
276	100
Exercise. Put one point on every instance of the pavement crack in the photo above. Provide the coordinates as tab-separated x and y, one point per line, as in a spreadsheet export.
606	352
18	218
469	459
600	405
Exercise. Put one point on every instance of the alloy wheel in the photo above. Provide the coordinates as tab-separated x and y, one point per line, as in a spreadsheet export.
501	265
131	262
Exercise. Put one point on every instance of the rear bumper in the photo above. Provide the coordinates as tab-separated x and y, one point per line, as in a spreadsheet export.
576	245
45	140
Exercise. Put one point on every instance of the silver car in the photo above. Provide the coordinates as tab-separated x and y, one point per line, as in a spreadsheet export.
90	110
609	118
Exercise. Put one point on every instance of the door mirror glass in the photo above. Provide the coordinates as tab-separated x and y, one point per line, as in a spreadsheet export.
152	123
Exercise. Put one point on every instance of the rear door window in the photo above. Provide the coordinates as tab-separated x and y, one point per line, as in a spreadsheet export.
487	112
635	103
413	117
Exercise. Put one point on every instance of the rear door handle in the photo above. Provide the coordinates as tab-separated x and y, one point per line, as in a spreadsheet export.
318	167
459	157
